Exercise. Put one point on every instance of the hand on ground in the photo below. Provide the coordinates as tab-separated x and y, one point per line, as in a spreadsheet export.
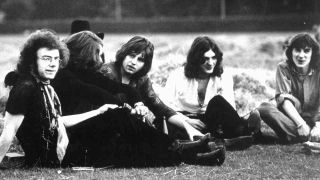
62	145
315	134
304	130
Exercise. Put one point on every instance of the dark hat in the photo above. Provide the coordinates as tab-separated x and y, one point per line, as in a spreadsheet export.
83	25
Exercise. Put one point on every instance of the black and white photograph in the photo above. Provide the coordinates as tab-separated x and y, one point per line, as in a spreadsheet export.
166	89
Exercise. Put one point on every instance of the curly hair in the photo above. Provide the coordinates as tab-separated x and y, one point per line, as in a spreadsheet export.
84	49
195	57
301	41
137	45
43	38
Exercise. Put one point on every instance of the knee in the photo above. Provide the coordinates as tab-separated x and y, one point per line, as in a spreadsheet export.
218	99
265	106
266	109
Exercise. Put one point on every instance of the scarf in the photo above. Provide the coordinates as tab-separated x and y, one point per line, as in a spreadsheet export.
52	104
50	123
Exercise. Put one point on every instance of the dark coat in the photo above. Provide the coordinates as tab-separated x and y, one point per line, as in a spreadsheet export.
144	86
84	91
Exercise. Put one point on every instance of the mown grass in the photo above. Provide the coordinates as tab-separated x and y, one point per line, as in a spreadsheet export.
257	162
251	58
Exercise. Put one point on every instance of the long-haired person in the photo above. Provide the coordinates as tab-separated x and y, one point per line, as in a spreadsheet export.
296	117
116	137
33	110
203	91
132	64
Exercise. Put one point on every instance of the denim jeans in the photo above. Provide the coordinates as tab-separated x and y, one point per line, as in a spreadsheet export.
277	119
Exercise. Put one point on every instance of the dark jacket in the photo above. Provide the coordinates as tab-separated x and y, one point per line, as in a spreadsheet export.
26	98
83	91
144	86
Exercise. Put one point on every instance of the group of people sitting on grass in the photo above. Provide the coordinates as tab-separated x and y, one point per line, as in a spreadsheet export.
67	107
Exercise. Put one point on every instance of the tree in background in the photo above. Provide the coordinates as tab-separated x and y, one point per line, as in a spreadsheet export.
17	9
118	9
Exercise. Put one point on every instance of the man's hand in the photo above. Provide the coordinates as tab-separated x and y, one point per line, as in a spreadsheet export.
304	130
315	134
140	110
106	107
196	123
63	141
61	150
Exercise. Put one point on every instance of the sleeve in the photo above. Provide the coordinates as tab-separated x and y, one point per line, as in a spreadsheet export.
20	98
227	88
283	87
153	101
115	87
168	94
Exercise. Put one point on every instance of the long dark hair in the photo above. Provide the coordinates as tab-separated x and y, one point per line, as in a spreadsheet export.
195	57
43	38
84	49
301	41
137	45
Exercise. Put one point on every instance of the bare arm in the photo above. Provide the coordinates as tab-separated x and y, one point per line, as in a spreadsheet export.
62	142
11	126
183	122
72	120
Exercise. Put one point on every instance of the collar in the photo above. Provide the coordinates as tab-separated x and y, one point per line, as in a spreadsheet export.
300	74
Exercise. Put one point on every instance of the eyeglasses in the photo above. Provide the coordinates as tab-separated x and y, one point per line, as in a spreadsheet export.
49	59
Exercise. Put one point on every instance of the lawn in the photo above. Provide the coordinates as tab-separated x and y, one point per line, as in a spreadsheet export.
250	57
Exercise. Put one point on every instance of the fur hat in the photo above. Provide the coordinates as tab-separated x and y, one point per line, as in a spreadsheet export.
83	25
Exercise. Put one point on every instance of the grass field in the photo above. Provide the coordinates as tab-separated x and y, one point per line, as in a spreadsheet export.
250	57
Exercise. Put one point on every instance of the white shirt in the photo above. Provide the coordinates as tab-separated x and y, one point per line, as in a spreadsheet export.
181	93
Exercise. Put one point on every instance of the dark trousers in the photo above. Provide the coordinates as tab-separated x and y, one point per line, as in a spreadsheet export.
277	119
220	118
117	138
223	121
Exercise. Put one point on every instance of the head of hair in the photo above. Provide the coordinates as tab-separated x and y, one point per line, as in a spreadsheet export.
301	41
137	45
195	57
84	48
43	38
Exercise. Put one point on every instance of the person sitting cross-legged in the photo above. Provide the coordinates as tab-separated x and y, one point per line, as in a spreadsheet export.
297	114
202	91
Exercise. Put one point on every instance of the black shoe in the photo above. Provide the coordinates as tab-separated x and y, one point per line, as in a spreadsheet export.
238	143
215	157
231	144
267	138
254	121
200	151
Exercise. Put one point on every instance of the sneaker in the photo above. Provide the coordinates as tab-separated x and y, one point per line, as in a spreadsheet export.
254	121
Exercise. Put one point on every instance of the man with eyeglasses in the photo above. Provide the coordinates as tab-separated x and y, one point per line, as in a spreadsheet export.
33	111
